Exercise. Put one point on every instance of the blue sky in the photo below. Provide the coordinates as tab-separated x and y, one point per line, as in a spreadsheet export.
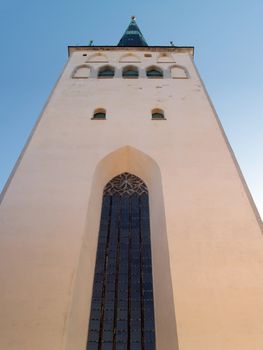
227	36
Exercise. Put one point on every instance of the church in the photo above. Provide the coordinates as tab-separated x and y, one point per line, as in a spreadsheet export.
126	223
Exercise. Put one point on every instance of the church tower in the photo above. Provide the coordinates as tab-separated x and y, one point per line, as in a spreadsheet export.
126	223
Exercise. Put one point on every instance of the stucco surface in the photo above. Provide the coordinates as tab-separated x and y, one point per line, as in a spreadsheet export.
206	240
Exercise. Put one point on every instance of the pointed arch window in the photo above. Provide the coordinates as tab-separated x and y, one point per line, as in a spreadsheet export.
131	72
122	308
154	72
106	72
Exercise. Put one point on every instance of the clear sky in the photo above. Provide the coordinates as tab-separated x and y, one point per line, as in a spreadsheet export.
227	36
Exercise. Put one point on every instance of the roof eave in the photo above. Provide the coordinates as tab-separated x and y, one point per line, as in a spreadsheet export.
178	49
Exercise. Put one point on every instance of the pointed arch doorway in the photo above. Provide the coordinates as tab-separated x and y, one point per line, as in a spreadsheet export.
122	307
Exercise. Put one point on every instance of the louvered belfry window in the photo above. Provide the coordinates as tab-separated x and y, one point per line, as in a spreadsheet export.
122	308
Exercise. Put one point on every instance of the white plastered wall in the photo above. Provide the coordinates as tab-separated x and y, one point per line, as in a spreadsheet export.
214	242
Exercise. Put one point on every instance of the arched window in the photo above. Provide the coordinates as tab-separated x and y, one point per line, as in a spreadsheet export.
122	307
106	72
130	72
99	114
157	114
154	72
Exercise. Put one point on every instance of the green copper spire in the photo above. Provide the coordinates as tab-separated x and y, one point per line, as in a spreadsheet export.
132	35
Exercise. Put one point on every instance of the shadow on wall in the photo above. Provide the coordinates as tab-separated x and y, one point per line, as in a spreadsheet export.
125	159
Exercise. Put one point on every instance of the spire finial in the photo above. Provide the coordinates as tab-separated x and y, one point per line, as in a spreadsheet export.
133	18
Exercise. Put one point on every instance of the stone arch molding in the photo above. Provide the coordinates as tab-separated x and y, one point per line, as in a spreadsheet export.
98	57
179	72
138	163
165	58
129	58
82	71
